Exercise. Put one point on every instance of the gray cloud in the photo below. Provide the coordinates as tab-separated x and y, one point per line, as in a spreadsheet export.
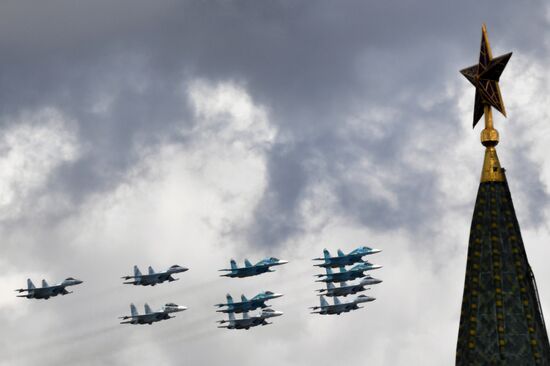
365	101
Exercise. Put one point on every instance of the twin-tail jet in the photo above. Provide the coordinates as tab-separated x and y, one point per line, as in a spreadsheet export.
344	289
47	291
152	278
151	316
351	274
340	307
245	304
355	256
252	270
248	321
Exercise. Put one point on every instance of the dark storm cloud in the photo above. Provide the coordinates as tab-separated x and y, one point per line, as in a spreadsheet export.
312	66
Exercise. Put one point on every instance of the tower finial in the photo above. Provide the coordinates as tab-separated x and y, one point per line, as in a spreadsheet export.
485	76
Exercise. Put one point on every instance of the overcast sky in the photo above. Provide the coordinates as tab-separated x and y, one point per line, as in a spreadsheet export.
192	132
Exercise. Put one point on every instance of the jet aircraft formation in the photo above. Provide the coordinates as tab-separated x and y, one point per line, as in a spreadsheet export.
246	305
360	266
152	278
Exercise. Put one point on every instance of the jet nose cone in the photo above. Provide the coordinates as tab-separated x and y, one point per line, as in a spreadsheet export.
182	308
282	261
276	295
277	313
78	282
374	250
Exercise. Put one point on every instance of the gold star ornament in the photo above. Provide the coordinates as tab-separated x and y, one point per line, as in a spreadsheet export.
484	76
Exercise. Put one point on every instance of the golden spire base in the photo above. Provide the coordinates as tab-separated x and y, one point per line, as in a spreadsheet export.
492	171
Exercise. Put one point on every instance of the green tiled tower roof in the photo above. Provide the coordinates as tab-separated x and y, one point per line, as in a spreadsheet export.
501	322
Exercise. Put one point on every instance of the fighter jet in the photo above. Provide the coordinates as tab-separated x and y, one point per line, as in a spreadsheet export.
347	275
344	289
355	256
152	278
245	304
339	307
252	270
151	316
247	321
47	291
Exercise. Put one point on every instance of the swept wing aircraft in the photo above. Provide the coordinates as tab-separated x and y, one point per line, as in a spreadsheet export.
47	291
149	317
351	274
252	270
355	256
247	321
245	304
340	307
152	278
344	289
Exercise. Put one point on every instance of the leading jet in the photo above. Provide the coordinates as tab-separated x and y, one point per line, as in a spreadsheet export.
247	321
152	278
340	307
245	304
351	274
344	289
252	270
151	316
355	256
47	291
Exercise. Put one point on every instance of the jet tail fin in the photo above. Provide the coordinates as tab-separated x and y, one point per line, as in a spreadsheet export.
133	310
342	269
326	254
340	253
147	309
336	301
151	270
229	299
44	283
233	264
231	316
323	301
30	285
247	263
245	315
137	272
330	285
243	298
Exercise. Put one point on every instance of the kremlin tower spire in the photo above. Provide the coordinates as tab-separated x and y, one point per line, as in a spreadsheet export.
501	320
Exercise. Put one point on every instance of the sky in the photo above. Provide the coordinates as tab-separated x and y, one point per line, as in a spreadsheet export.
192	132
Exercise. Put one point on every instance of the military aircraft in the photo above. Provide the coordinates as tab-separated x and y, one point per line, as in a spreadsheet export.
347	275
151	316
340	307
247	321
355	256
152	278
245	304
344	289
252	270
47	291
